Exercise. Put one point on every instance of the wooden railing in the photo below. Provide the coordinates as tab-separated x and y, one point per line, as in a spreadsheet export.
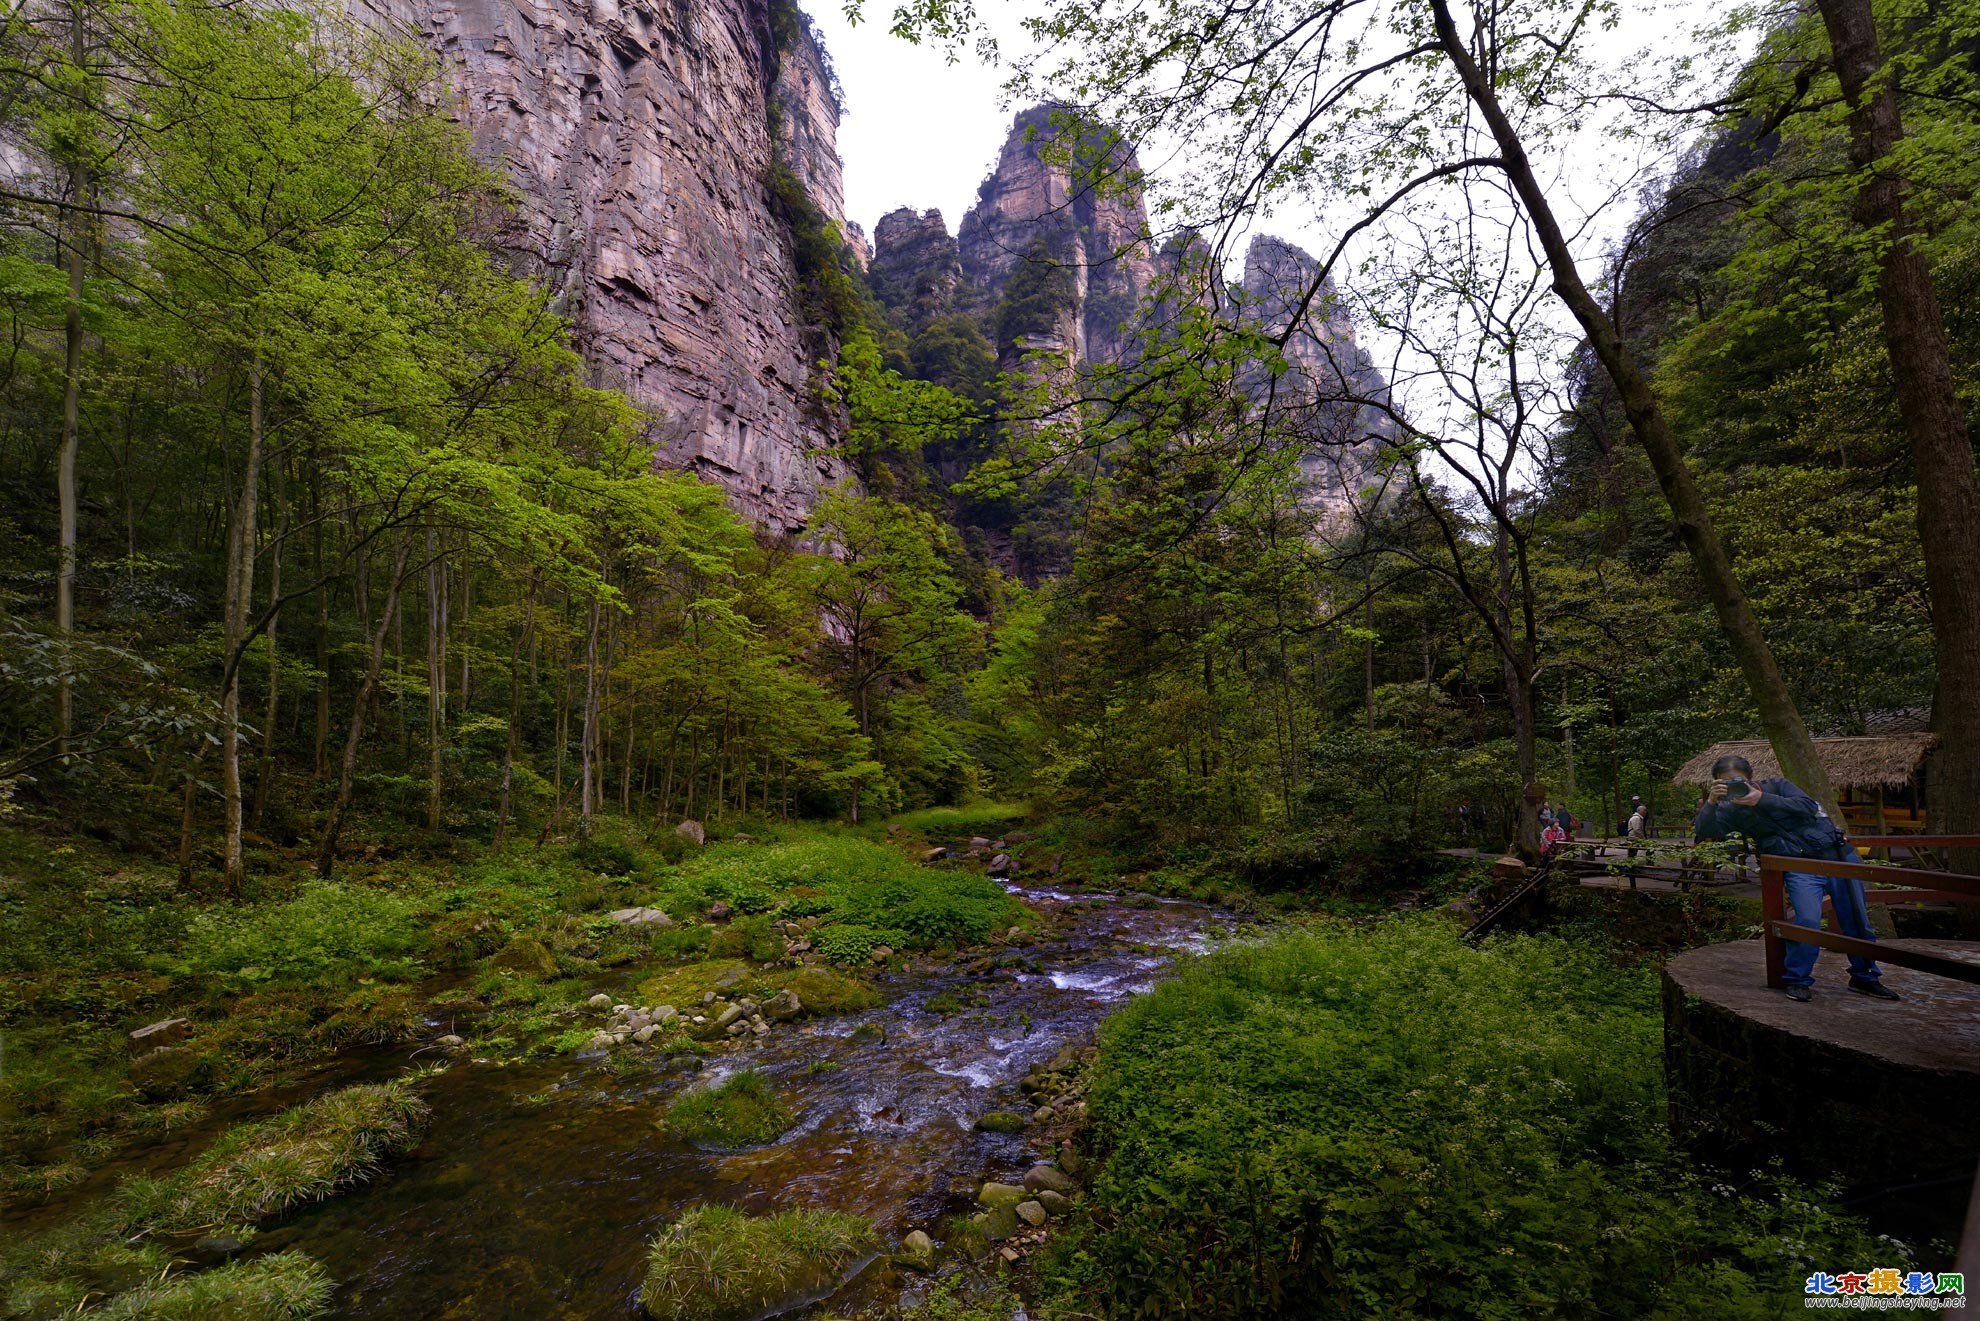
1950	887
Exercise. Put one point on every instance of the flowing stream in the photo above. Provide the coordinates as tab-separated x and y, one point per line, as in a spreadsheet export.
538	1186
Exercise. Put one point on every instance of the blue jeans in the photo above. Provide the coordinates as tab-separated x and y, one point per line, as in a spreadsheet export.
1805	892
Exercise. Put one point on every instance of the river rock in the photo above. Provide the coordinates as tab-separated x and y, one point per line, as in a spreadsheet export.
600	1001
998	1223
979	842
728	1016
525	954
692	832
166	1072
646	1034
1069	1158
640	917
451	1042
881	953
719	911
665	1012
1041	1177
869	1034
165	1032
1000	865
1001	1194
917	1251
783	1006
1001	1121
685	1063
1032	1213
1057	1203
760	1028
935	855
599	1044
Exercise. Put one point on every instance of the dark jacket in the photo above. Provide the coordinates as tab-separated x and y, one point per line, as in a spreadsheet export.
1787	822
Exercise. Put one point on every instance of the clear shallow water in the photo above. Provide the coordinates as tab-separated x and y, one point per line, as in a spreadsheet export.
538	1186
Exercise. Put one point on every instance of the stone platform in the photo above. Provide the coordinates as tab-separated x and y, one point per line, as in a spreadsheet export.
1883	1097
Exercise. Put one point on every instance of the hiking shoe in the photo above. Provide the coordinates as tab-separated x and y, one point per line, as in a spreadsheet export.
1875	990
1800	993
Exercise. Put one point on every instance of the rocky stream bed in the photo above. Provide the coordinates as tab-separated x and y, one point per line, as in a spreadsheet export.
538	1186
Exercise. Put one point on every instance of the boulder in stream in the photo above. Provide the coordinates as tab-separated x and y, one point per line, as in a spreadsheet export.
1001	1121
1042	1177
917	1251
1000	865
1001	1194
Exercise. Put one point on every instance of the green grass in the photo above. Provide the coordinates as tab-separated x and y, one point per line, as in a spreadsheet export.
718	1264
260	1171
944	824
284	1286
1350	1122
741	1111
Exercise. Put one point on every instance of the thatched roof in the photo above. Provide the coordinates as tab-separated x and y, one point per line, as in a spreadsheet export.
1852	763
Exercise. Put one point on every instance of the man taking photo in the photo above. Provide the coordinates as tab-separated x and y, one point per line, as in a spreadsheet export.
1778	818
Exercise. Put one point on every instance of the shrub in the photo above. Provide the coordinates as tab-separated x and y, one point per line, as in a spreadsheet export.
258	1171
718	1264
741	1111
1345	1123
607	858
854	944
326	930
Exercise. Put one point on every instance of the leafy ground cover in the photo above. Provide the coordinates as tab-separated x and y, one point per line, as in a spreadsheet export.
718	1264
1351	1122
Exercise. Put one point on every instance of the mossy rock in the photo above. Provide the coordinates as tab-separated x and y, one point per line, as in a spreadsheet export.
742	1111
259	1171
525	954
1001	1121
684	987
824	991
171	1071
282	1285
718	1264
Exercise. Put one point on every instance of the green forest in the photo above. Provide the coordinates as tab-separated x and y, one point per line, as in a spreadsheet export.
420	808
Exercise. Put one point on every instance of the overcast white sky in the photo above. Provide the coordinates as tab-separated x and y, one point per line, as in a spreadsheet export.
924	133
921	132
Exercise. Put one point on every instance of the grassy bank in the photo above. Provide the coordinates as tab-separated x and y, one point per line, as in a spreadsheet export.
95	943
1351	1123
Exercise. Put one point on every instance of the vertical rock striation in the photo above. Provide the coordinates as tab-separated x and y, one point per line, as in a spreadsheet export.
1068	198
639	138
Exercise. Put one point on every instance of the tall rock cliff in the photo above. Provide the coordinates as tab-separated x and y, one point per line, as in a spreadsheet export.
1067	198
1334	381
639	137
1050	264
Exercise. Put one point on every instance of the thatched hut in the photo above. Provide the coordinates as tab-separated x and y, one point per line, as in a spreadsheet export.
1880	778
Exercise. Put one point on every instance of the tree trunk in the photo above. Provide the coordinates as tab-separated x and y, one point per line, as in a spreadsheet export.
588	748
374	668
265	772
65	470
239	598
1934	423
436	678
1778	715
515	715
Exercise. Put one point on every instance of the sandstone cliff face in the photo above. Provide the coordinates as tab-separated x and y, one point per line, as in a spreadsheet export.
1083	215
638	136
916	267
1330	370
